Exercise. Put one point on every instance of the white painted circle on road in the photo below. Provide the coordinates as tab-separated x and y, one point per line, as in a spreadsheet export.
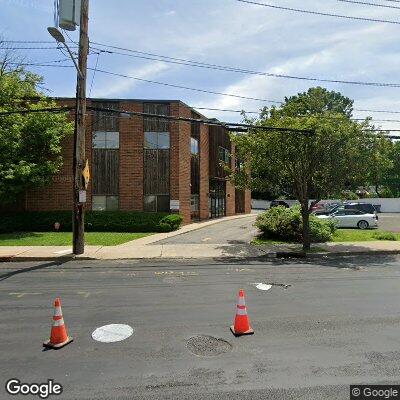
112	333
263	286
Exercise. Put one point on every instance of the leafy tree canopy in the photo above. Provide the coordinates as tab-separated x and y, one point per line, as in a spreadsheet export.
30	144
337	156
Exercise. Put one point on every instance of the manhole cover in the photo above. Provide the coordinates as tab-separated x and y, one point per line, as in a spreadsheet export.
112	333
208	346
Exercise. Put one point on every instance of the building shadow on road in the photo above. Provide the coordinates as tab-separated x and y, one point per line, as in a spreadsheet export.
41	266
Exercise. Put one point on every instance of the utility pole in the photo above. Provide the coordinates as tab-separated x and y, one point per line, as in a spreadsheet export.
79	189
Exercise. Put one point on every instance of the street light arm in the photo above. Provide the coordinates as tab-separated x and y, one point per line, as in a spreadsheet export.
74	61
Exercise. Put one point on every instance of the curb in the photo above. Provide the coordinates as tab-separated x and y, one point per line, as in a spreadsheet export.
269	256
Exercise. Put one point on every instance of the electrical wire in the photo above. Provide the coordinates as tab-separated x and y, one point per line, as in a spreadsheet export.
94	74
319	13
182	87
258	112
365	3
198	64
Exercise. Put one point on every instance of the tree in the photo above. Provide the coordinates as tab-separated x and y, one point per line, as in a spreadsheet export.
380	166
309	167
391	179
30	144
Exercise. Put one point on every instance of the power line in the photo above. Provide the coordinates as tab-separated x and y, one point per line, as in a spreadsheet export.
33	111
258	112
198	64
204	121
319	13
365	3
197	89
183	87
94	74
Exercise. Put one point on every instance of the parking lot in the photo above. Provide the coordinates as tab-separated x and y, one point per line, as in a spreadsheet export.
389	222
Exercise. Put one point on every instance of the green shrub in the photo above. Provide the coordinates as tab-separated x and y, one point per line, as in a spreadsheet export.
286	224
95	221
170	222
384	236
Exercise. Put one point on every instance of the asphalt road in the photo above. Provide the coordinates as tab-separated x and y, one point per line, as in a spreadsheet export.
337	323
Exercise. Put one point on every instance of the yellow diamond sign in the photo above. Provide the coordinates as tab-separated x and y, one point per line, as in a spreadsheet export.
86	174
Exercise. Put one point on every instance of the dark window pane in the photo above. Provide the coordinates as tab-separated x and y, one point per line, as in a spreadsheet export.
150	203
150	140
99	203
163	204
112	203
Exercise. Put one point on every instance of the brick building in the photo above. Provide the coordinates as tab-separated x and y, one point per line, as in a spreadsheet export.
148	164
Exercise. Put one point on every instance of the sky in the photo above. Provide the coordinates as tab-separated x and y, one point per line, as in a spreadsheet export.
229	33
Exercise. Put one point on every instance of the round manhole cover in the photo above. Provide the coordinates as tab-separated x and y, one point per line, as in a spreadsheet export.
208	346
112	333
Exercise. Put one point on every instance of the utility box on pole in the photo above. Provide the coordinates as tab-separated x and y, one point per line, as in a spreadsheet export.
69	14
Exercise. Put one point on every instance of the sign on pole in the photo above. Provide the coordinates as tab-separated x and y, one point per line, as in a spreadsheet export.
86	174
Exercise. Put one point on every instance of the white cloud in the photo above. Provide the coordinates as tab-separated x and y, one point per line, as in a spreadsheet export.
118	86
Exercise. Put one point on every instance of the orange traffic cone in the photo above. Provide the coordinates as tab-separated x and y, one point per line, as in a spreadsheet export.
242	324
58	336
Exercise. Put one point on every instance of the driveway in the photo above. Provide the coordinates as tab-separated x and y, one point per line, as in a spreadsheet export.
238	231
389	222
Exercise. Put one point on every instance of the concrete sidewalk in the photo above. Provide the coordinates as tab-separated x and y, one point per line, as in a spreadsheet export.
188	251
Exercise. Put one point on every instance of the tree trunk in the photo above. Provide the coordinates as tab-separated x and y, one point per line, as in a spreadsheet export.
305	214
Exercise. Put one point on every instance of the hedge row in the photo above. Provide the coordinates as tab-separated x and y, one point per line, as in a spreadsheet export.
95	221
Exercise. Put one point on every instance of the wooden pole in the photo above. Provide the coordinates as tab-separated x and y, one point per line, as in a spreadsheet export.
78	230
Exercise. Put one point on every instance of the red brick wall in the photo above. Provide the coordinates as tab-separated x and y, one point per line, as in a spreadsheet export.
204	171
230	189
131	159
184	164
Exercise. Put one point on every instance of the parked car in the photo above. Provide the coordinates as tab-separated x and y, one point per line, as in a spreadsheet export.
366	208
277	203
352	218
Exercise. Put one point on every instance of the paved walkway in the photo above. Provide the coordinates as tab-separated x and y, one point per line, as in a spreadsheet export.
188	242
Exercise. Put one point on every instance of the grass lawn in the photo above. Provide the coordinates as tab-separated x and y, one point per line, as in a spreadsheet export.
357	235
65	238
344	235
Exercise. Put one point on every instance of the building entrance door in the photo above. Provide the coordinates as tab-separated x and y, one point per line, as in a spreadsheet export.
217	198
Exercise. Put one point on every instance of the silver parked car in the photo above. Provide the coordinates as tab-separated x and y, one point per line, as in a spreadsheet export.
349	218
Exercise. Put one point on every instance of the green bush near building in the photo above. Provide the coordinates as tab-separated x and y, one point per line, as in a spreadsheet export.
95	221
285	224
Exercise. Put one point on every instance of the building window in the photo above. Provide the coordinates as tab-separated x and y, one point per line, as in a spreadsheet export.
194	146
156	140
105	203
223	155
156	203
105	140
195	203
